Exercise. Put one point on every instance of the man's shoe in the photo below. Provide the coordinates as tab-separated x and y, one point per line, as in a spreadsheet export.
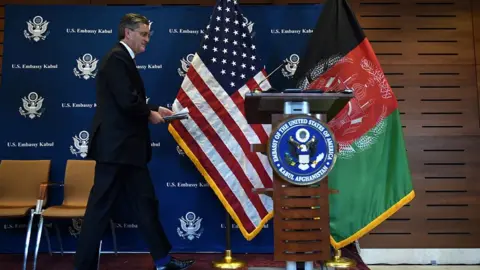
176	264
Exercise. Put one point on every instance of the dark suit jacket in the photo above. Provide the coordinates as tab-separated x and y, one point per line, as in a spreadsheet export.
120	132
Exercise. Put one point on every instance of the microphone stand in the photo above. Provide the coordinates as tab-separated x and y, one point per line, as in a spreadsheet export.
268	76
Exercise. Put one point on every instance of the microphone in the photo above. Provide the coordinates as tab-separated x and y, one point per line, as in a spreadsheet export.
268	76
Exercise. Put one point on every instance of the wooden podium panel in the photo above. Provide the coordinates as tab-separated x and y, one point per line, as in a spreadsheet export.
301	221
301	215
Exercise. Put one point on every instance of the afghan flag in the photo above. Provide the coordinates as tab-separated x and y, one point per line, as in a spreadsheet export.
371	171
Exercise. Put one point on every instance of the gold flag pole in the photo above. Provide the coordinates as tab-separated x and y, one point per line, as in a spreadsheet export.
228	261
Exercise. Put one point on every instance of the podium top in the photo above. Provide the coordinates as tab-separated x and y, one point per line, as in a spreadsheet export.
259	107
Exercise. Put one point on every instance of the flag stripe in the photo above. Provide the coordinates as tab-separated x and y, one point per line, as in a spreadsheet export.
225	181
238	99
384	182
233	120
261	130
230	131
264	84
371	104
252	84
222	141
234	103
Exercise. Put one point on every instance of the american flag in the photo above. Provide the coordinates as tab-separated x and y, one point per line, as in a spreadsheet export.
217	136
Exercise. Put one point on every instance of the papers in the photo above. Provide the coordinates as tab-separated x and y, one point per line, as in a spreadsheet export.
183	114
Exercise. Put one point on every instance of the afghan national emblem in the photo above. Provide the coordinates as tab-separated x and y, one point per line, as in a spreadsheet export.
302	150
86	67
81	144
190	226
37	29
32	106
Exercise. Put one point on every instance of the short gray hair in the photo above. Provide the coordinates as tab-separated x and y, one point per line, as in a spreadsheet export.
130	21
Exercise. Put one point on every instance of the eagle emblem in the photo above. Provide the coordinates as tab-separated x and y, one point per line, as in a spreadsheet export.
302	150
190	226
81	144
37	29
32	106
86	67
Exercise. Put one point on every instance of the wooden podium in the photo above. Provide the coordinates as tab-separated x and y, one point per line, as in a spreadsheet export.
301	213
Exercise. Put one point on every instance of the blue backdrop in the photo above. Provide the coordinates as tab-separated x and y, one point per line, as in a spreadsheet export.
44	66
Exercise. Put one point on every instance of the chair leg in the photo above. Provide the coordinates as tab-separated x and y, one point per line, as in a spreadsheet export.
59	237
99	253
47	235
37	246
27	240
114	237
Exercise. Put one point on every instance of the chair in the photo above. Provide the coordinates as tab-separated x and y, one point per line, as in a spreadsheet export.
19	182
79	178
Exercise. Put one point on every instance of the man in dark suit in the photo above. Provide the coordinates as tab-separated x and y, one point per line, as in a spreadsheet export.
120	144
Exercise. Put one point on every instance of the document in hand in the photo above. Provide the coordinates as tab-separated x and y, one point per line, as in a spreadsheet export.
183	114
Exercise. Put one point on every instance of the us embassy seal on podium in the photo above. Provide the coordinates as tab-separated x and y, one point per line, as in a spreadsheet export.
302	150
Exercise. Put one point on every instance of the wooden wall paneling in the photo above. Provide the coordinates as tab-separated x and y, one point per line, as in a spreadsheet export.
476	35
476	28
418	32
435	99
427	51
445	211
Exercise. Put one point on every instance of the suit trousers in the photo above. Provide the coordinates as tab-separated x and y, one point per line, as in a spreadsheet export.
111	181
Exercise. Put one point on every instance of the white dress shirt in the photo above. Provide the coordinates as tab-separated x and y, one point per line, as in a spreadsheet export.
132	54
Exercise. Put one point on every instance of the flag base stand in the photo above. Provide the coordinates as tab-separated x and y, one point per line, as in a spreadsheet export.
340	262
228	261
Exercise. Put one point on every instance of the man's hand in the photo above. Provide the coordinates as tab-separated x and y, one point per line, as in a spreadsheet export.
155	117
164	111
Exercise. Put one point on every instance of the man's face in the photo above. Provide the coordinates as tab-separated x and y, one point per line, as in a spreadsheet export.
139	38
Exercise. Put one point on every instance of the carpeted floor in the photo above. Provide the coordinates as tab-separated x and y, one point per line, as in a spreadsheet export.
134	261
204	262
125	261
129	261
